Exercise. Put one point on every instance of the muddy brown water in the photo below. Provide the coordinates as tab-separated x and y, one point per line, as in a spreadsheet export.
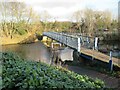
39	52
35	51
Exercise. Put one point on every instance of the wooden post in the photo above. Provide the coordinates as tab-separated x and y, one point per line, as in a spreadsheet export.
79	45
110	62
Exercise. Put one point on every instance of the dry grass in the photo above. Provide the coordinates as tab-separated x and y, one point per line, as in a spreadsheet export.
15	40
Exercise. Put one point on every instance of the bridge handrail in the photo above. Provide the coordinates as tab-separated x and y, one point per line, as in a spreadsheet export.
73	41
69	40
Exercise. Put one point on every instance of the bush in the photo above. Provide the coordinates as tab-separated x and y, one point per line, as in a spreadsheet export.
19	73
21	32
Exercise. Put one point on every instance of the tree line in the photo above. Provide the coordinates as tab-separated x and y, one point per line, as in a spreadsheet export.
90	21
18	19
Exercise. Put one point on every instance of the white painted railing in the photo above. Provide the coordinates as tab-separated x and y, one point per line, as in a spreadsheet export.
69	40
74	41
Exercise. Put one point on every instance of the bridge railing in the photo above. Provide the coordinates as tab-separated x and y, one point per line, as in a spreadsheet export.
69	40
74	41
77	41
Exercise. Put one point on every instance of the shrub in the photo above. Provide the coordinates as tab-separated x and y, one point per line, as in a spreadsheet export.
19	73
21	32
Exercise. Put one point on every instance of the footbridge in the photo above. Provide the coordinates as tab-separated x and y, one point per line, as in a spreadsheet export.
86	46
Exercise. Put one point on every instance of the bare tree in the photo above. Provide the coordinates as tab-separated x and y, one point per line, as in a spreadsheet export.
45	16
107	19
77	17
17	18
4	15
89	20
11	13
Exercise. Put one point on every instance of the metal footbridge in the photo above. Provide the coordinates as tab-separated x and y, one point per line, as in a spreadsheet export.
87	46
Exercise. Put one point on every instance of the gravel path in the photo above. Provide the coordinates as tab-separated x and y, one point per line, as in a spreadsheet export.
110	82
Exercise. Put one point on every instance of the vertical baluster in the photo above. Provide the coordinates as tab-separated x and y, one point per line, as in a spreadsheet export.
96	43
110	62
79	45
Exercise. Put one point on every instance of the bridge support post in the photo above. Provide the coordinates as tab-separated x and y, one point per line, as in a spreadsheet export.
96	43
88	41
82	40
60	44
79	45
52	44
110	62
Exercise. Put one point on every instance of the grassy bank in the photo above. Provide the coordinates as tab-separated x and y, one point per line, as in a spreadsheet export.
17	39
18	73
96	66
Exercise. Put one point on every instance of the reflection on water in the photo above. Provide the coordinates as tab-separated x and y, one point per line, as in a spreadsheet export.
108	46
39	52
35	51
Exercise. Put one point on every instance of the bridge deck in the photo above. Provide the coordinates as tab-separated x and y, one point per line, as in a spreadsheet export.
76	42
100	56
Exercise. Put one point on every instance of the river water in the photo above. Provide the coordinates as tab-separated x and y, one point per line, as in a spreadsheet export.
35	51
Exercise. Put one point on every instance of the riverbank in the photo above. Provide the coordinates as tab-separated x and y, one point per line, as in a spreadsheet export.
16	40
20	73
110	80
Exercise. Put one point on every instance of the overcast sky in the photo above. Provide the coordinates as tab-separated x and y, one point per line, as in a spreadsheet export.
63	9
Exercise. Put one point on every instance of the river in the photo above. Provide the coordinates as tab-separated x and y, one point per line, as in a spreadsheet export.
35	51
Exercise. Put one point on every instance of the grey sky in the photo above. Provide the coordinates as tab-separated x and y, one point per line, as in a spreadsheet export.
63	9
